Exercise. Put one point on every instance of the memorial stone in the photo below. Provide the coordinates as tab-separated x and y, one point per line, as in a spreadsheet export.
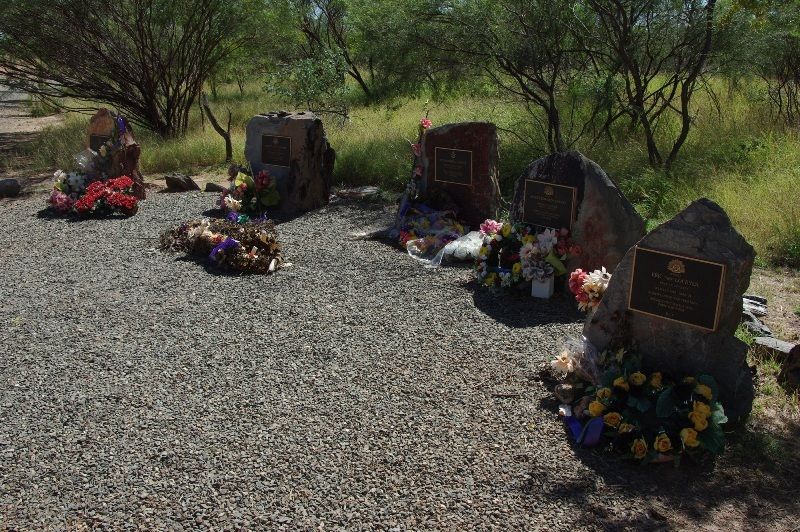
676	297
293	148
567	190
460	169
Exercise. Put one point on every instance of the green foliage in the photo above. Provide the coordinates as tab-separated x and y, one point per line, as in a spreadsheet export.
744	335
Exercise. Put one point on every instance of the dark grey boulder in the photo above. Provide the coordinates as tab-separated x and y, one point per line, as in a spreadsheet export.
9	188
180	183
701	231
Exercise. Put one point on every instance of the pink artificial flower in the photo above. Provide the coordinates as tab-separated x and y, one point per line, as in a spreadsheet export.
417	149
490	227
575	250
576	280
425	123
418	171
582	297
564	232
60	202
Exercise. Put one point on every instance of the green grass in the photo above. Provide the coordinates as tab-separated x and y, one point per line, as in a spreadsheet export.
741	159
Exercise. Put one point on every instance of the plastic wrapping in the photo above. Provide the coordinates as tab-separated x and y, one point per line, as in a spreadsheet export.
462	249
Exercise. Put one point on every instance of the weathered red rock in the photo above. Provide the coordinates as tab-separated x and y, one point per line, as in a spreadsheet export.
465	175
704	232
104	126
294	149
605	224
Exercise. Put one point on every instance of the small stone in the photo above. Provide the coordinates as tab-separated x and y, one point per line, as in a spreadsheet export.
756	305
9	188
754	325
213	187
773	347
180	183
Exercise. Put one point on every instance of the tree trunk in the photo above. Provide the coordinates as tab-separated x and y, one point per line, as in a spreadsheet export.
224	133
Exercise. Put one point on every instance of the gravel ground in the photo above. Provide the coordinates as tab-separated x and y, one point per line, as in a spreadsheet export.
353	390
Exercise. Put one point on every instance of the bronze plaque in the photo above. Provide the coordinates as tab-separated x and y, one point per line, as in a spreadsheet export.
549	205
453	166
276	150
676	288
95	141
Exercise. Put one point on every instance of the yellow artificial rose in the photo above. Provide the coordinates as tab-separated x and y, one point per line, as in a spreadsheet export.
596	408
689	437
637	379
689	380
655	380
604	393
639	448
620	382
528	239
516	268
704	390
662	443
702	408
484	251
625	427
506	231
490	279
699	420
612	419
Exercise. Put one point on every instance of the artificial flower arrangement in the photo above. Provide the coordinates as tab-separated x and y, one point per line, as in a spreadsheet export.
79	193
589	288
646	417
425	231
249	247
90	189
514	254
247	195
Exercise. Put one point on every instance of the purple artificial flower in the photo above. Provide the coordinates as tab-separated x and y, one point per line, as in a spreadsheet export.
233	216
224	246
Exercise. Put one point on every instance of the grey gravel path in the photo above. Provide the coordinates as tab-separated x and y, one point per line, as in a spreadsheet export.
354	390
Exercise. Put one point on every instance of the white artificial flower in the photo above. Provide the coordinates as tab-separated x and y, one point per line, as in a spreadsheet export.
232	204
563	363
505	279
76	182
547	239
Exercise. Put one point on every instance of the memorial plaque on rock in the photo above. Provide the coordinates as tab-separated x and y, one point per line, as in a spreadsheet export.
567	190
453	166
676	297
276	150
293	148
676	287
460	169
549	205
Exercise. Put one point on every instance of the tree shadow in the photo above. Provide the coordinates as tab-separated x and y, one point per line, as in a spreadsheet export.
754	483
49	214
518	309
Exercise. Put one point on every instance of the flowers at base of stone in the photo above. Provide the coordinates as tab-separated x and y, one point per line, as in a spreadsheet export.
650	417
424	231
99	198
249	195
425	123
589	288
249	247
490	227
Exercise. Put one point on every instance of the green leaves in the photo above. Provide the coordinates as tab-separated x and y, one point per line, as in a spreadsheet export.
665	406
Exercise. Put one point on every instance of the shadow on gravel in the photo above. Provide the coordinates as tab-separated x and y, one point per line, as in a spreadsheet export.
520	310
752	486
48	214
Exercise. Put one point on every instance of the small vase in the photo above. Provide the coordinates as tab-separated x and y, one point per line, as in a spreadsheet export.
542	289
